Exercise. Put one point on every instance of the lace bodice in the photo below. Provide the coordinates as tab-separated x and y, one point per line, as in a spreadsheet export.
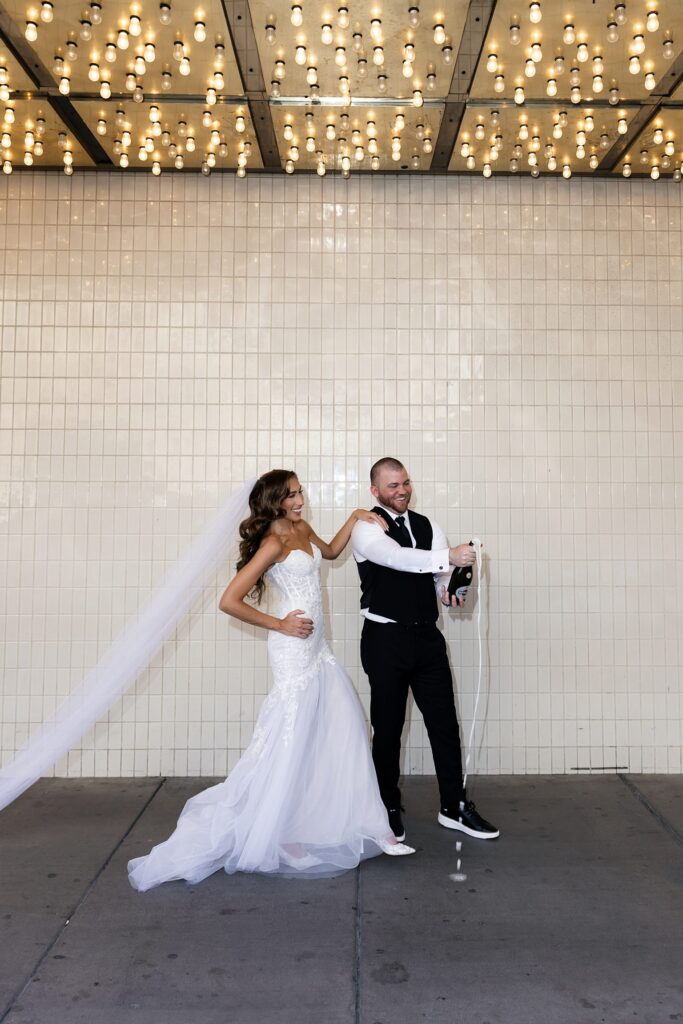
296	581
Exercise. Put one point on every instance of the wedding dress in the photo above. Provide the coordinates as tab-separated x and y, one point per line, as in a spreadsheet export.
303	799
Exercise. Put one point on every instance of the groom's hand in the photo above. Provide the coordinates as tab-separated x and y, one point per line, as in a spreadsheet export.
451	601
463	555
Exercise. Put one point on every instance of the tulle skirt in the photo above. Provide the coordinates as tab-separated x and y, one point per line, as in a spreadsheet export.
302	801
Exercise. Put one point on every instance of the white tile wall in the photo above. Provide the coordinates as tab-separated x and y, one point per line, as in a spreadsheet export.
518	344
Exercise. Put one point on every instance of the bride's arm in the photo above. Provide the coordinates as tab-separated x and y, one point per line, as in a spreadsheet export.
341	538
233	600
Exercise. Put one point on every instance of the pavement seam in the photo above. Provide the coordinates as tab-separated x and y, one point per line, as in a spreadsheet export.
72	913
657	815
357	958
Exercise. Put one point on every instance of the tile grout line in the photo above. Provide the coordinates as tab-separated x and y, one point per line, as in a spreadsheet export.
357	957
665	824
72	913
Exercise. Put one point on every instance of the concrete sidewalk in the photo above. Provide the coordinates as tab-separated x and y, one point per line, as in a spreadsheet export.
575	916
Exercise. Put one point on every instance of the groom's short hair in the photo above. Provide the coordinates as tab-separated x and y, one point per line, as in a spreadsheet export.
385	463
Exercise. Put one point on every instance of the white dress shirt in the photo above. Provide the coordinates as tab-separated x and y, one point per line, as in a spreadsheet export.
371	544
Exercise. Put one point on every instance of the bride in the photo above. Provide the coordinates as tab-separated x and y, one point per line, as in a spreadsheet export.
303	799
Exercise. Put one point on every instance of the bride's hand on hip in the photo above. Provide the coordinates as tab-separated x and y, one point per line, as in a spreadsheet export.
363	515
294	625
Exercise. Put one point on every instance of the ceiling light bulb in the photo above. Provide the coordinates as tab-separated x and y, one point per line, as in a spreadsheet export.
658	136
589	124
374	163
480	131
519	95
376	30
638	43
279	70
515	35
31	31
598	66
400	122
134	25
86	30
288	132
582	53
486	170
210	97
439	34
343	17
499	83
357	40
64	86
122	40
240	124
465	150
580	152
300	55
535	13
652	21
340	56
670	148
634	65
140	65
529	68
407	69
654	173
626	170
569	35
650	81
289	167
620	13
470	163
536	52
297	15
668	49
166	80
644	156
613	96
110	52
275	89
575	94
492	63
211	159
28	159
270	34
612	32
551	87
418	99
149	145
447	53
326	34
622	126
382	83
184	66
566	171
200	31
378	56
413	16
138	94
598	83
165	14
47	12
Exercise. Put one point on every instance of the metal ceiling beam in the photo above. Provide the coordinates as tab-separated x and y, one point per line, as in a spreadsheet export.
241	29
662	91
34	68
474	35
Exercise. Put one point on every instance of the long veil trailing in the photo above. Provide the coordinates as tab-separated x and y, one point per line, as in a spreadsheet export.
119	667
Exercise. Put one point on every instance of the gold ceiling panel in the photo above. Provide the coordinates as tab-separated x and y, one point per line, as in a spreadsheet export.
590	46
127	45
356	40
511	138
38	131
11	73
355	135
172	135
659	146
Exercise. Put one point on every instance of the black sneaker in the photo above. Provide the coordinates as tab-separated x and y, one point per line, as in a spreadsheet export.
468	820
396	823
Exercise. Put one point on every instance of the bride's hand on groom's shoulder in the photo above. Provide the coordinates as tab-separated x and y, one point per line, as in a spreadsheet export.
363	515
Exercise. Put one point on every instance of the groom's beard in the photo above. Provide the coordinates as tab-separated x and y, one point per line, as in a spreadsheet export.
400	507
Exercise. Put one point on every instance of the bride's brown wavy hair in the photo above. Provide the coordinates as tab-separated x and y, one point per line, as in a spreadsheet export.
265	504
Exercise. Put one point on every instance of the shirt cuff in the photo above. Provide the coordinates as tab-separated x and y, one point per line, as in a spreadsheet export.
440	563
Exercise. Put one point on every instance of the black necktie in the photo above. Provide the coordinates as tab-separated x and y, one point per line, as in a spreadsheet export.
404	538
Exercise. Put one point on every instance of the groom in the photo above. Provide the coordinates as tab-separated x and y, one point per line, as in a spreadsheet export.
402	647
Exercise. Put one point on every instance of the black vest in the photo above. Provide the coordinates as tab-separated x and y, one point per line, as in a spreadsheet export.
406	597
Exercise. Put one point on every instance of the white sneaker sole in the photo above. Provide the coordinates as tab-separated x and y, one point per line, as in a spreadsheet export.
459	827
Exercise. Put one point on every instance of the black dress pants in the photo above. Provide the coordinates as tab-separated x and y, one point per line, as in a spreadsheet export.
397	658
